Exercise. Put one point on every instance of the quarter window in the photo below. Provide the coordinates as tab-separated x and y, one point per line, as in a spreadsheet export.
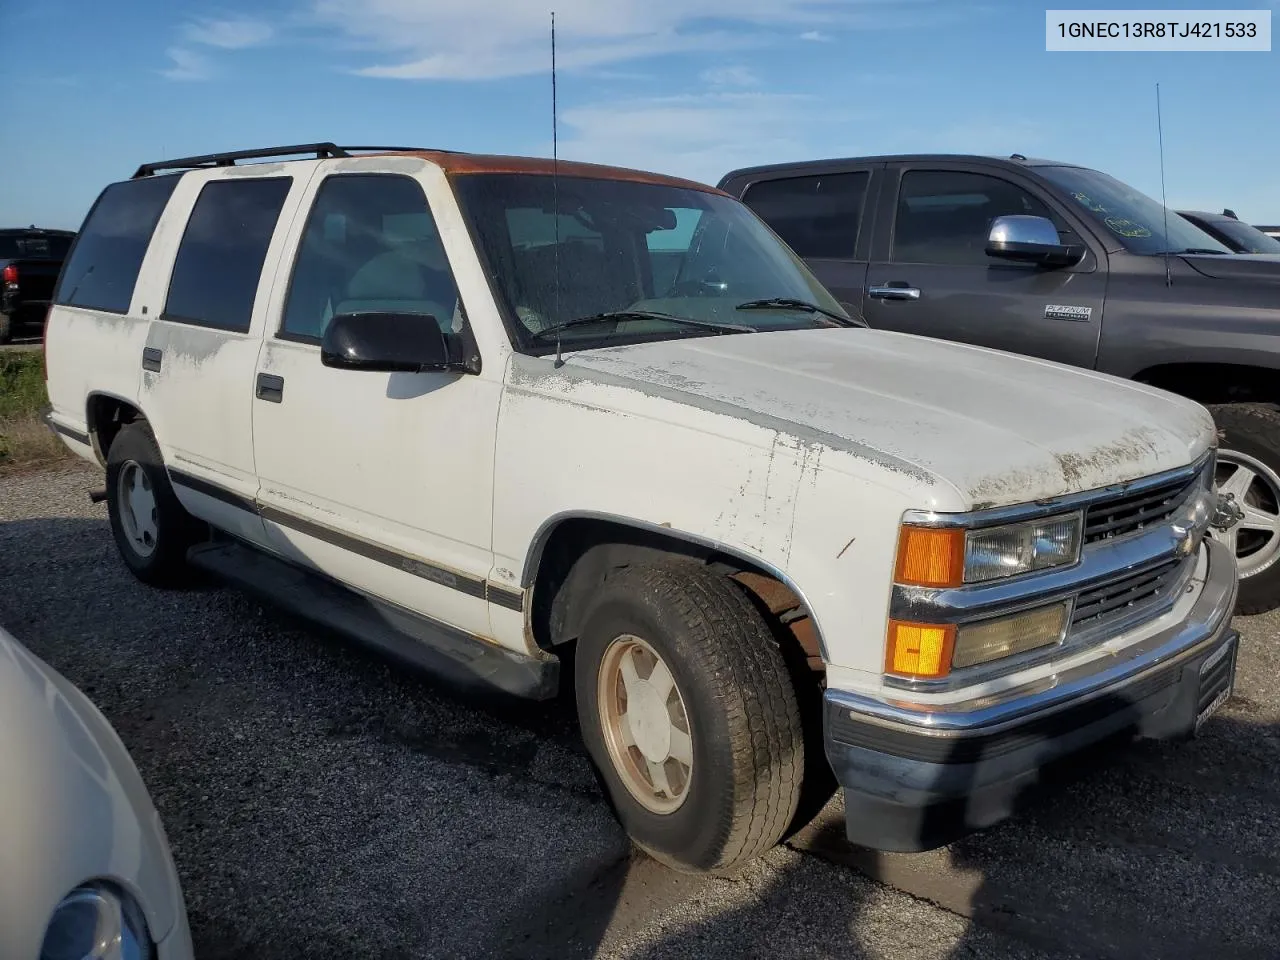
370	245
219	263
945	216
818	217
102	269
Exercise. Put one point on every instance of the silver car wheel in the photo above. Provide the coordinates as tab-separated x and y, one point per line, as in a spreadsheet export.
1255	540
137	507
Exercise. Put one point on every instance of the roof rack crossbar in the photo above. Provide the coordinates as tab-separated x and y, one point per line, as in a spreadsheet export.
322	151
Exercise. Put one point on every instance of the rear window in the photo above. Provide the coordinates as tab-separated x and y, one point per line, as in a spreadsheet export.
34	246
103	268
219	263
818	217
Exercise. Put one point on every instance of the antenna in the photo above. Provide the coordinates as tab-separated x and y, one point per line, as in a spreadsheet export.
1168	271
555	186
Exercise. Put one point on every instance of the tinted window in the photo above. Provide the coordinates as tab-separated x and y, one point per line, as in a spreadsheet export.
655	248
103	268
1246	238
370	245
818	217
219	262
34	246
945	216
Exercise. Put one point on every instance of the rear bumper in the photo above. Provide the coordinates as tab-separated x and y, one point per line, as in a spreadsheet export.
915	779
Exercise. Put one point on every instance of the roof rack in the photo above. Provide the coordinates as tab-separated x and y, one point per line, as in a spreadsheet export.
322	151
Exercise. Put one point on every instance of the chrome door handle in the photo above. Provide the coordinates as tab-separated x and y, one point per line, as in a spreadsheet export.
894	293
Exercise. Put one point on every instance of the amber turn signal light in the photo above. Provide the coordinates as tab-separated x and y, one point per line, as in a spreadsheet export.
919	651
930	556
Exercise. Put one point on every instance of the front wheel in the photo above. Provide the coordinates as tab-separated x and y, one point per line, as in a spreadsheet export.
1249	468
688	712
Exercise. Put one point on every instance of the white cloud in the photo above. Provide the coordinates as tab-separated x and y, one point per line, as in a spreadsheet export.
730	77
187	65
491	39
234	33
700	136
815	36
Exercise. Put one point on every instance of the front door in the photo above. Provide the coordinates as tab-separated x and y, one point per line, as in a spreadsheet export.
382	481
930	274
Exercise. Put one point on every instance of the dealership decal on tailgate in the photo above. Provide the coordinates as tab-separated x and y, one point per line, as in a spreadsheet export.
1217	681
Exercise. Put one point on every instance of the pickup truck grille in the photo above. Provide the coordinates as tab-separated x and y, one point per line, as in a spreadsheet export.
1135	596
1133	512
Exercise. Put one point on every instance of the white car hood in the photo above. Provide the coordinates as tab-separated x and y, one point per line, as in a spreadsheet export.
1000	428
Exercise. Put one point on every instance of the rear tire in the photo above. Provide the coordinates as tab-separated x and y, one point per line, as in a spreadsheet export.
730	696
152	529
6	328
1249	466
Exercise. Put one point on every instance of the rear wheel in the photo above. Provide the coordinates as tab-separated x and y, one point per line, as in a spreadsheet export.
6	328
688	712
152	530
1249	468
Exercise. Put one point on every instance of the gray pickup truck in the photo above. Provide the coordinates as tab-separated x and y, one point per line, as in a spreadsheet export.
1060	262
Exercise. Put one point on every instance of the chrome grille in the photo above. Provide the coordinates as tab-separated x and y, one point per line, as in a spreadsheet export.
1136	596
1130	513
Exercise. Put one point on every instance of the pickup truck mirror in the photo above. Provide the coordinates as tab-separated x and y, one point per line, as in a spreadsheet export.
1030	240
391	342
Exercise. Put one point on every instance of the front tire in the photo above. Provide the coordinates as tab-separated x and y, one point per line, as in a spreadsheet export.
152	529
1249	467
688	712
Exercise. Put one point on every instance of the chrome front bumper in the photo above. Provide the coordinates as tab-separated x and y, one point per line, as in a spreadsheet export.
917	775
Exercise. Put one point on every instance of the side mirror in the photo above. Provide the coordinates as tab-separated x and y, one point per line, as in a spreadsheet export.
391	342
1030	240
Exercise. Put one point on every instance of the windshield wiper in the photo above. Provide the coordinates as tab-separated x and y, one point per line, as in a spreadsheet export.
1216	253
615	315
790	303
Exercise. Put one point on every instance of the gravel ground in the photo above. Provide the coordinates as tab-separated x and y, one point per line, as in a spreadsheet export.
320	801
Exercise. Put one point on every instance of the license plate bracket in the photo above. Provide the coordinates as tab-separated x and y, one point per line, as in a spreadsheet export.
1217	682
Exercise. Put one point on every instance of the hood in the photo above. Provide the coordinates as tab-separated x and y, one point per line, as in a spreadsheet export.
1238	266
74	805
1002	429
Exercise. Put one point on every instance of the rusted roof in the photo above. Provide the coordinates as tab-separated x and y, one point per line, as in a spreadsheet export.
461	164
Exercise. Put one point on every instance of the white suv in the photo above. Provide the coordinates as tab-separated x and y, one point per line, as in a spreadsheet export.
490	412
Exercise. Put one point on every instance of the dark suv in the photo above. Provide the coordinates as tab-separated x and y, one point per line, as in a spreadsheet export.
30	259
1061	262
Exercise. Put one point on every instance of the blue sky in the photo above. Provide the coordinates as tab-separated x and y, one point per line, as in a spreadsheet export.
691	87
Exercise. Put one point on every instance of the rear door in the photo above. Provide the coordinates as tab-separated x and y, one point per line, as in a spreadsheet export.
201	352
825	218
930	274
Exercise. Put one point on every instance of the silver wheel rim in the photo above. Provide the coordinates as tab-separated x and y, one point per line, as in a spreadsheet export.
1255	540
645	724
136	502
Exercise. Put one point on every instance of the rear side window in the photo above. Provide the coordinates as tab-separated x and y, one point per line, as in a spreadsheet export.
818	217
219	263
103	268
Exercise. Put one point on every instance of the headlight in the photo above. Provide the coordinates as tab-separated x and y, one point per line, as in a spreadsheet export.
952	556
93	923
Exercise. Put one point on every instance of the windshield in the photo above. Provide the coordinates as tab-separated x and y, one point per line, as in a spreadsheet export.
1133	218
638	249
33	246
1248	238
